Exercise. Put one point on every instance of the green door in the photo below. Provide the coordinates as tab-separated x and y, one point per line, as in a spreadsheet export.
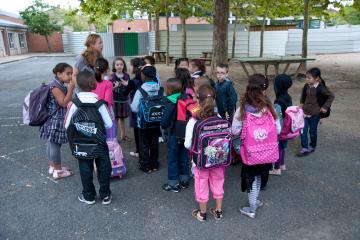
131	47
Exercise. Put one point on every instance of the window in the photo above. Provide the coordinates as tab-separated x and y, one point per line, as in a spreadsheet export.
11	40
22	40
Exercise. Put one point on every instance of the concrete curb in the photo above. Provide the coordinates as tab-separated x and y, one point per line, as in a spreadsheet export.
33	56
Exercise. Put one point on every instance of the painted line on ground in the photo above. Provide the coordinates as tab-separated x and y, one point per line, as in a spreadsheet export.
7	118
12	125
21	151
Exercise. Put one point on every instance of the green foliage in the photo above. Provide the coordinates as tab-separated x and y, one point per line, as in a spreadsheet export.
350	15
37	20
71	18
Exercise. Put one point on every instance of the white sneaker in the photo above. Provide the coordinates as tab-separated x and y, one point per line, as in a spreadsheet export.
276	172
134	154
283	167
246	211
161	140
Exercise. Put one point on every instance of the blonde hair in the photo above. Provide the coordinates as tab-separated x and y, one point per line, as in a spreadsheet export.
89	54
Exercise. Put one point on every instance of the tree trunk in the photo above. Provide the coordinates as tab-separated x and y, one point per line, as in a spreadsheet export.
305	30
263	31
167	39
150	22
157	31
48	43
234	38
220	34
183	41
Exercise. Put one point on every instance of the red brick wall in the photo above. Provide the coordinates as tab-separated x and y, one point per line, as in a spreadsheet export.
37	43
12	19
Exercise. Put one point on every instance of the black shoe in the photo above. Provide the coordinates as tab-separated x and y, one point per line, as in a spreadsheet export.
83	200
184	185
169	188
106	200
145	169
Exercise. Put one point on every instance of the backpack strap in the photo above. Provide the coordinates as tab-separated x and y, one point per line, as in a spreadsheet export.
161	92
99	103
76	101
144	94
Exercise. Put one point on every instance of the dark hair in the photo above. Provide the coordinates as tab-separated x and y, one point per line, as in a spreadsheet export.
119	59
206	96
223	65
316	73
151	59
173	85
184	76
137	63
200	64
60	68
83	79
179	60
254	95
101	66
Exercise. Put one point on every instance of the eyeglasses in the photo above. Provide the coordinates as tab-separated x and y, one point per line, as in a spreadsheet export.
222	73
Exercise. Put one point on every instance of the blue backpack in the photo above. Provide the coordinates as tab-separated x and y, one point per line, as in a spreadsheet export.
151	109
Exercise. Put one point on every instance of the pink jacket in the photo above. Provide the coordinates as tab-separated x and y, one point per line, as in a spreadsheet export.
104	91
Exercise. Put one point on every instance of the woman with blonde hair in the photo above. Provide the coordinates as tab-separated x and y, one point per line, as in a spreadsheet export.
86	61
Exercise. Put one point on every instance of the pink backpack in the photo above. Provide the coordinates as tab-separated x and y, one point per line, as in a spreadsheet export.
116	158
293	123
259	136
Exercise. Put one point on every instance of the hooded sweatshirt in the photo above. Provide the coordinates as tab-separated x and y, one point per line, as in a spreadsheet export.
152	88
281	85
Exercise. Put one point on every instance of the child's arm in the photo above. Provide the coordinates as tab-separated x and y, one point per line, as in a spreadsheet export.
168	115
60	97
232	96
189	133
303	96
330	98
109	94
136	102
105	116
236	126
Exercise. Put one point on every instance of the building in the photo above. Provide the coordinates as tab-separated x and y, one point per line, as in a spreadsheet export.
13	35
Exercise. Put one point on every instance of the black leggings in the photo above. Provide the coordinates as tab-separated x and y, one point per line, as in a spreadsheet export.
136	135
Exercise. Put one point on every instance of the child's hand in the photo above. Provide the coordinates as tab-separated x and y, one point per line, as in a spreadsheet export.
124	83
323	110
116	84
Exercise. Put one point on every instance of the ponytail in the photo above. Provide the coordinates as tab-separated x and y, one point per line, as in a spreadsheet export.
101	66
206	96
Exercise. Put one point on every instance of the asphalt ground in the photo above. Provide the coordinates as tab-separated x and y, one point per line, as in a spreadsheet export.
316	198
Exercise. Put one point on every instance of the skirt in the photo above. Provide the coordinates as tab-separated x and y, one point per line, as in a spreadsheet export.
121	110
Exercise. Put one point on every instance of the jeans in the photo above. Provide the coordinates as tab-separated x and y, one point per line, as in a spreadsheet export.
53	152
149	148
311	124
86	168
178	161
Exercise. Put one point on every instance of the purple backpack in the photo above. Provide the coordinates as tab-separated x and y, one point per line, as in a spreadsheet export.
211	144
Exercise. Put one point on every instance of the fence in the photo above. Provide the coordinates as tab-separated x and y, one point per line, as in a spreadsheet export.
278	43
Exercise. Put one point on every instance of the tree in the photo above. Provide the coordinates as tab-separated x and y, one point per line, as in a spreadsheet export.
220	34
38	21
70	18
351	15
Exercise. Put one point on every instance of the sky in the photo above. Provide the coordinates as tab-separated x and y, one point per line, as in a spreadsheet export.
14	6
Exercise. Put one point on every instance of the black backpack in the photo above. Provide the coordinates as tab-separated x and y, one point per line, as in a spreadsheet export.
151	109
86	132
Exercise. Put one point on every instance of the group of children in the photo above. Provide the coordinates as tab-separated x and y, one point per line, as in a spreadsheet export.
117	96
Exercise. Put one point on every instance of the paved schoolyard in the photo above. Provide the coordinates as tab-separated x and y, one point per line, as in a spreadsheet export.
317	198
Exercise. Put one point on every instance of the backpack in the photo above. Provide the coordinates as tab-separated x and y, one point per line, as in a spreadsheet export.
35	106
185	108
211	144
86	132
293	123
151	109
116	159
259	137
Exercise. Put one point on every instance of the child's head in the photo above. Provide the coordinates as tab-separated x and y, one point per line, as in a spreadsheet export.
313	76
255	95
197	65
184	76
148	73
101	67
135	65
182	63
86	81
119	65
63	72
206	99
149	60
173	85
222	71
200	81
282	83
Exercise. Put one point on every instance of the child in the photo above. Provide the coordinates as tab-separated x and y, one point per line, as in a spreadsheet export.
121	101
104	91
148	138
87	83
53	130
184	76
214	177
316	99
256	104
181	63
226	96
150	60
131	87
197	68
282	83
177	156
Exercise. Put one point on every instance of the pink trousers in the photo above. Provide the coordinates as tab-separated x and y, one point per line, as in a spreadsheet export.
214	177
